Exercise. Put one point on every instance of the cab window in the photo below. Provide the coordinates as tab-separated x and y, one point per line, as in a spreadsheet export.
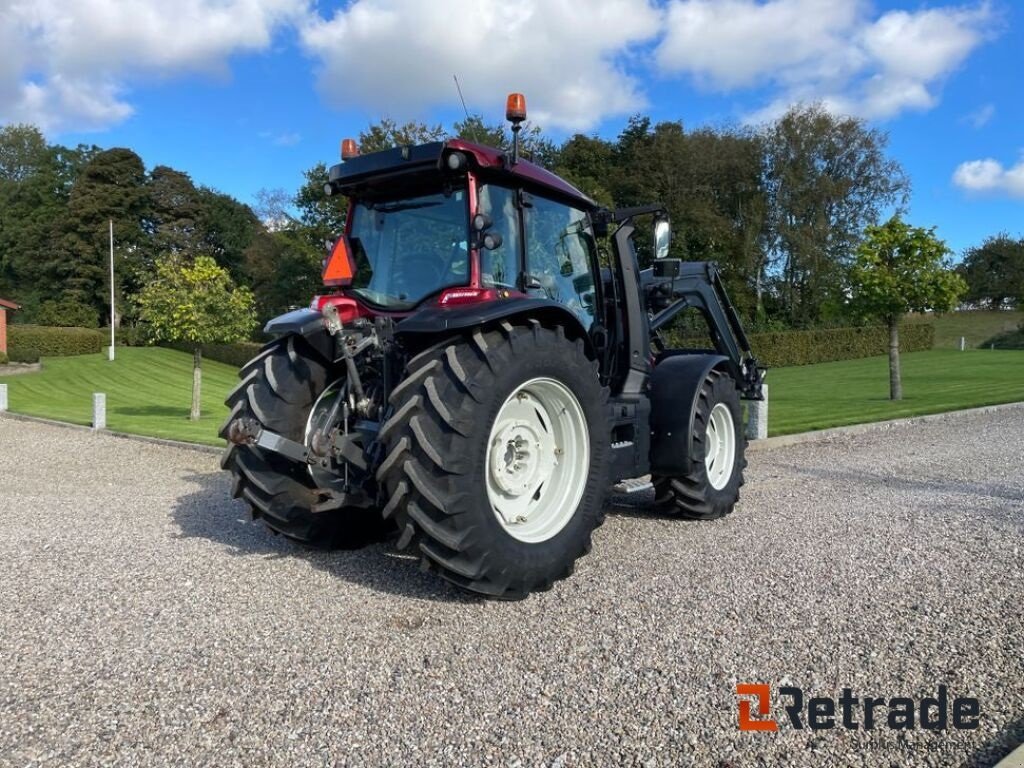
500	268
560	256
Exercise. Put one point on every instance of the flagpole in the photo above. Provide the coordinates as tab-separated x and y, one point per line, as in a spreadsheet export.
110	355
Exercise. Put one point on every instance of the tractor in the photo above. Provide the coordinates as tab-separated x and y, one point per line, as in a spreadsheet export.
479	372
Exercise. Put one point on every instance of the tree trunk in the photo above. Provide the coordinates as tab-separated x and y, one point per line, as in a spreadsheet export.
895	384
197	382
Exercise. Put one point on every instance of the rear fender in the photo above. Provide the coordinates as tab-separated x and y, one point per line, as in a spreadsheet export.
431	324
308	323
675	383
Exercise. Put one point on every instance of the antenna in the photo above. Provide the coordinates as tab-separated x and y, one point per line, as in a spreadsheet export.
464	108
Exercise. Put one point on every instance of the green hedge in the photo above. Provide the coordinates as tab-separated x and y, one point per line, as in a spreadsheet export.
781	349
237	354
1006	340
29	343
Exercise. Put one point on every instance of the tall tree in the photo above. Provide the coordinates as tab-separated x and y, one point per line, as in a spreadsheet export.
588	162
172	214
29	204
900	269
196	303
828	178
110	186
227	228
994	271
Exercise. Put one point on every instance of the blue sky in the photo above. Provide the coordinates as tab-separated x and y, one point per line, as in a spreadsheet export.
246	94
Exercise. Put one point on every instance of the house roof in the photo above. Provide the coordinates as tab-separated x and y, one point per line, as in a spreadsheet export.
9	304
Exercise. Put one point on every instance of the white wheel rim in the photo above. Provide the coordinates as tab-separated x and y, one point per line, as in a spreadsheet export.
720	446
538	458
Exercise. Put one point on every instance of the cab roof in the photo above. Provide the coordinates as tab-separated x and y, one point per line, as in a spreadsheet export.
364	172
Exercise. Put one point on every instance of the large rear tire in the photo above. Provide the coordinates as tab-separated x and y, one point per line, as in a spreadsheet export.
711	488
278	389
496	456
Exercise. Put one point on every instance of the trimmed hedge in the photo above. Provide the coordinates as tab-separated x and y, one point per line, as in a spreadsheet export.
237	354
29	343
786	348
1006	340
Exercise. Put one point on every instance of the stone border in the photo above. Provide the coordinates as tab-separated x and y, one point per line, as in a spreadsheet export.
123	435
16	369
781	441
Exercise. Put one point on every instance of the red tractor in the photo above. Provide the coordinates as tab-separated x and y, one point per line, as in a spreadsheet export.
478	380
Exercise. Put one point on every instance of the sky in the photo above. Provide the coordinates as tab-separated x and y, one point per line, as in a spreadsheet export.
246	94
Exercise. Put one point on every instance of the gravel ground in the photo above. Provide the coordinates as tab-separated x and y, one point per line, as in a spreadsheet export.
145	621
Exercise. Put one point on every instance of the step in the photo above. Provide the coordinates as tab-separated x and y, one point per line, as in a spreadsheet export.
633	485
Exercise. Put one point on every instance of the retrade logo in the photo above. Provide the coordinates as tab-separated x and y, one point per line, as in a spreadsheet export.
762	694
931	713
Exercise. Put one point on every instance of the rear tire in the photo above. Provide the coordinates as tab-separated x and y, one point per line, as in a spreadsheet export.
444	458
278	389
710	489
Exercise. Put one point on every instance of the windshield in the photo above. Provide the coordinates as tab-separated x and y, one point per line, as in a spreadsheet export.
409	248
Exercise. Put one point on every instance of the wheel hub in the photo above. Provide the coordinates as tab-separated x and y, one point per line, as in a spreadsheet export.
537	460
520	458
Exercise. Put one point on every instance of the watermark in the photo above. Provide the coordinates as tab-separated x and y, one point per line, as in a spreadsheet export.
930	713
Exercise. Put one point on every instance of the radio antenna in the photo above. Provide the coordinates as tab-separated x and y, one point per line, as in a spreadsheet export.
465	109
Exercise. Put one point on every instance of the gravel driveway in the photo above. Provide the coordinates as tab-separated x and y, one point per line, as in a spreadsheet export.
145	621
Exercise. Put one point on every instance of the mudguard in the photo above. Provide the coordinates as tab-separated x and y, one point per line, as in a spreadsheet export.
440	321
308	323
675	382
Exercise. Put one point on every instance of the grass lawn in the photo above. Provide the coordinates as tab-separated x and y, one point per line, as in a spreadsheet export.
856	391
975	325
149	391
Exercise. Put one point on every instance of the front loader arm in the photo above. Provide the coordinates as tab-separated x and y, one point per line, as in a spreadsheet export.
673	286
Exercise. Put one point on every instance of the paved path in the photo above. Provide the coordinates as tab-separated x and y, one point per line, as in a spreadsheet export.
145	621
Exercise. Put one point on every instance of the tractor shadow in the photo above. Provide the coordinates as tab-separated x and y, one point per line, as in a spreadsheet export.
209	512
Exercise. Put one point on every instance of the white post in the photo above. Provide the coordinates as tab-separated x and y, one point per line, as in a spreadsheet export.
99	411
963	343
110	354
3	398
757	418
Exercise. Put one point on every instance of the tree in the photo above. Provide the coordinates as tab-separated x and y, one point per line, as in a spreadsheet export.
172	214
827	179
110	186
227	228
900	269
994	271
34	187
387	134
195	303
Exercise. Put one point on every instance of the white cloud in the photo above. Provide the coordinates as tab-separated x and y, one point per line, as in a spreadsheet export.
67	63
991	177
835	51
71	64
397	57
981	117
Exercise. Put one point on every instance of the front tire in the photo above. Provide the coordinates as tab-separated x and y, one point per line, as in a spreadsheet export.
496	458
711	487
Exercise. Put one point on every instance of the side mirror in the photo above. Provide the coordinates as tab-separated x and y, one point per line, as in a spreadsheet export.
662	237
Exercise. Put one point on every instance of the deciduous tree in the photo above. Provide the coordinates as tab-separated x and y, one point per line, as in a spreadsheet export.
195	303
899	269
994	271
